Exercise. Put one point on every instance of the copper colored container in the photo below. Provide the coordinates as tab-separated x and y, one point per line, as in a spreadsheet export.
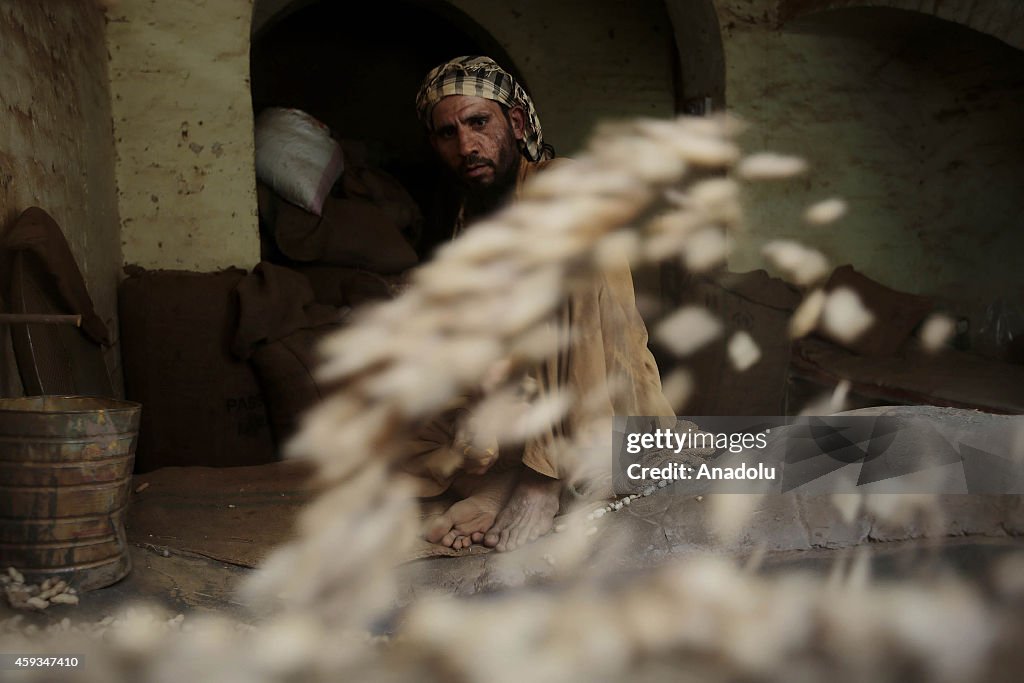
65	478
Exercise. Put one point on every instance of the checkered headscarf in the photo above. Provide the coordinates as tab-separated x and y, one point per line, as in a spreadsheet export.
482	77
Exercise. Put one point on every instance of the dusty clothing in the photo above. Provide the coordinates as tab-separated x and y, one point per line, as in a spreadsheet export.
607	346
355	231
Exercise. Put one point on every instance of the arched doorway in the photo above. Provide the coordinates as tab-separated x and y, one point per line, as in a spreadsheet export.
352	66
1001	19
917	120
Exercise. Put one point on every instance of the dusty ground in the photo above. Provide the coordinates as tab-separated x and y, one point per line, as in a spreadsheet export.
184	583
197	532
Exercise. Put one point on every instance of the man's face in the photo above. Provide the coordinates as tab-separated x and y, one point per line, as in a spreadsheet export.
476	141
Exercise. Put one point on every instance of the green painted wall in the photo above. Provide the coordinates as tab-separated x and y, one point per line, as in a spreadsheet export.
917	122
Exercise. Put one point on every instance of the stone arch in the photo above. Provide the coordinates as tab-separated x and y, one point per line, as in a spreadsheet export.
350	66
904	98
693	29
1001	19
268	13
700	55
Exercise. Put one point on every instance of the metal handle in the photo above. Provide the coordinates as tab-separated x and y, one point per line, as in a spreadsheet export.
45	318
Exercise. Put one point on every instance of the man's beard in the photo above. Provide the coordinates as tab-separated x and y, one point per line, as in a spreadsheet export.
482	198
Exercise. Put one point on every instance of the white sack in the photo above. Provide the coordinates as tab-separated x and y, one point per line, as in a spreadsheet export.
296	156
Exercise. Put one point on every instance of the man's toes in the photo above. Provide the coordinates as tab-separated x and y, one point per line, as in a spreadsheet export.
477	537
509	542
502	545
492	537
449	538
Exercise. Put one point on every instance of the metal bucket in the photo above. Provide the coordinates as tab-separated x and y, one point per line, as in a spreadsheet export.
65	478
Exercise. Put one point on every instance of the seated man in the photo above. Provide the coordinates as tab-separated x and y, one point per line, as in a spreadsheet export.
485	131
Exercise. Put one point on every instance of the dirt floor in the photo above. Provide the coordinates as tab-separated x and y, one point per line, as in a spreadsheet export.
185	583
195	533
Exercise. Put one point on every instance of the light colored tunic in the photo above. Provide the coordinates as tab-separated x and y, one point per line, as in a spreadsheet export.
604	345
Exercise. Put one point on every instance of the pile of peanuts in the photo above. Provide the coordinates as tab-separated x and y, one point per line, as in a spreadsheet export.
126	621
28	596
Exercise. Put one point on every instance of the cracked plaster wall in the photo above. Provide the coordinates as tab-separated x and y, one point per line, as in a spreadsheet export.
183	124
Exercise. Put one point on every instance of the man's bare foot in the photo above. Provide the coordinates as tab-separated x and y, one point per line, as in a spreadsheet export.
465	522
528	515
